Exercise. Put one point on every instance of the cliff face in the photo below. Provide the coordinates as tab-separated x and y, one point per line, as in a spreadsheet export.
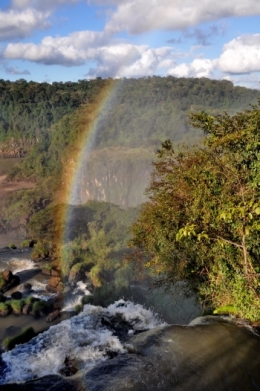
117	176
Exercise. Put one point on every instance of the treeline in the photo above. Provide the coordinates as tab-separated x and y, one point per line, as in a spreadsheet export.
28	109
133	113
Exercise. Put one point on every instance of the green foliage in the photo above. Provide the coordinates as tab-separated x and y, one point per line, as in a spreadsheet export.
17	305
4	306
202	220
39	307
41	250
25	336
27	243
12	245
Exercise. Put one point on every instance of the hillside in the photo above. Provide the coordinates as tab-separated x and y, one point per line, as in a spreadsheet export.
120	123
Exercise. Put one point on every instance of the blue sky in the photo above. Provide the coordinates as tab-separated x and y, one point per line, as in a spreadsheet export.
61	40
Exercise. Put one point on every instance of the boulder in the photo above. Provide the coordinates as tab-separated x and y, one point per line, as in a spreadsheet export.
27	309
55	285
10	281
46	271
53	315
17	295
27	287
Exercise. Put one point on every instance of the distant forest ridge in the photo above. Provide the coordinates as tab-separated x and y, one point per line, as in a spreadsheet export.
43	121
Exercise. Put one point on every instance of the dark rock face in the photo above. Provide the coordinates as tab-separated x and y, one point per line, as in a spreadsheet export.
51	382
10	280
216	355
53	315
17	295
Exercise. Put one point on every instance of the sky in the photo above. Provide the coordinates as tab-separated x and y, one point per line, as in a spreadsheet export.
70	40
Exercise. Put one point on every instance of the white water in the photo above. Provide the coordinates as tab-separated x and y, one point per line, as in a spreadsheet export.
76	296
83	338
17	265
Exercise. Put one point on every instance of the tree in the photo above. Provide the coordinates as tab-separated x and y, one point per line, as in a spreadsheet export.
202	220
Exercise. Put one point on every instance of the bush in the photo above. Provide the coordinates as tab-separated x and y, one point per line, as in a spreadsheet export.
40	251
25	336
17	305
4	308
13	246
39	307
27	243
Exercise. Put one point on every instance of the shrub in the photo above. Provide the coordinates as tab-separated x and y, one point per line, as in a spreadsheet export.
13	246
27	243
17	305
25	336
4	308
39	307
40	251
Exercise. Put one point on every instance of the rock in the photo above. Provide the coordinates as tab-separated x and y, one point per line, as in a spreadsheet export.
17	295
27	287
7	275
55	285
5	311
55	273
27	309
53	315
50	382
46	271
10	281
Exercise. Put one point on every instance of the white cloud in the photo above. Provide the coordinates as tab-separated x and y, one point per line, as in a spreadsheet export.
127	60
112	58
138	16
241	55
198	68
20	24
67	51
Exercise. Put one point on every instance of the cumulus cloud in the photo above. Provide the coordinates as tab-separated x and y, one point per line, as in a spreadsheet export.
197	68
20	24
241	55
111	58
138	16
67	51
16	71
127	60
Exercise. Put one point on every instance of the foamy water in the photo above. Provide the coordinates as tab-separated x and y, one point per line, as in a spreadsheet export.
83	338
76	296
17	265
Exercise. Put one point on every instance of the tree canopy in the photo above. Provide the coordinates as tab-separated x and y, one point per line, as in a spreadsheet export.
202	220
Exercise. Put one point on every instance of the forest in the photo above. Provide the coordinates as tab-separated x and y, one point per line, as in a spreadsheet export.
198	222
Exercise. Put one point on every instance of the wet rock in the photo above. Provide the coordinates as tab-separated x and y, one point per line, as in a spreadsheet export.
10	281
54	273
27	287
17	295
27	309
53	315
5	311
70	367
50	382
46	271
55	285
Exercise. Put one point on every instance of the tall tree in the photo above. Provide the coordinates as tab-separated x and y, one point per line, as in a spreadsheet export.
202	220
